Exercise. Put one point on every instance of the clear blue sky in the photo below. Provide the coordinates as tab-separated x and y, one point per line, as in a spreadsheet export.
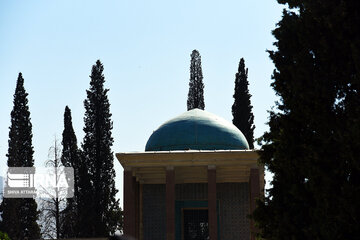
145	47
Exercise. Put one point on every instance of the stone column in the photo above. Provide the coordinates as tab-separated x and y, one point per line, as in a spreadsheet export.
212	212
129	204
254	182
170	203
137	208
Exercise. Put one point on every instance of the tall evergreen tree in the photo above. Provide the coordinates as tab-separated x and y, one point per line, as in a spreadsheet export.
70	158
196	85
243	118
20	215
98	155
314	137
85	207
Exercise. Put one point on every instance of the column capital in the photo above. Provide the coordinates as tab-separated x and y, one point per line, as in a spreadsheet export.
169	168
211	167
127	168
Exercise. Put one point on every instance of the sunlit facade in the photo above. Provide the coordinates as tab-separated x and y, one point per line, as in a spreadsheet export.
196	179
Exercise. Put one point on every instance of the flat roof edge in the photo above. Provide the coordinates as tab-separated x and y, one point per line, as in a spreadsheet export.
189	151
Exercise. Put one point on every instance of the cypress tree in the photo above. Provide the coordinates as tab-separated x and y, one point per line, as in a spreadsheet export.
85	207
243	118
20	214
70	158
314	137
98	155
196	85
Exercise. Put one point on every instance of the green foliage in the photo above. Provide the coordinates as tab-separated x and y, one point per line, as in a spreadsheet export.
314	138
20	152
20	215
196	85
97	161
242	108
84	206
4	236
70	158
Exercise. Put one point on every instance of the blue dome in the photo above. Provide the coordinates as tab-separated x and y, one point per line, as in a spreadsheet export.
197	130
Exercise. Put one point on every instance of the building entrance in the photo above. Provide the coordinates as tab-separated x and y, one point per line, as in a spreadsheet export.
195	224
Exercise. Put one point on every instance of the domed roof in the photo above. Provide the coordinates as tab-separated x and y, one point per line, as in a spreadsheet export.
198	130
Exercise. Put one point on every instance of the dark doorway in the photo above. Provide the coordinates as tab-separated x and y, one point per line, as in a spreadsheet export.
195	224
